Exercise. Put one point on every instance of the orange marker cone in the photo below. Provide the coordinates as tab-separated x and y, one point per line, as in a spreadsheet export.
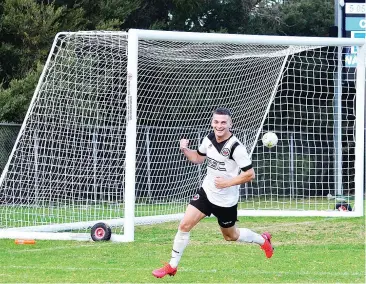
25	242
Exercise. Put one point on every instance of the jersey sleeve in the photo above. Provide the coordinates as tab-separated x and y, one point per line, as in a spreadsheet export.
241	157
202	149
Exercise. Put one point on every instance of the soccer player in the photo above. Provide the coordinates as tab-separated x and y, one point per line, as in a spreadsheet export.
219	193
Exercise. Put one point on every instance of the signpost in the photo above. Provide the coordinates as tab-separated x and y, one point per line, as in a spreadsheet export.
350	20
354	27
354	19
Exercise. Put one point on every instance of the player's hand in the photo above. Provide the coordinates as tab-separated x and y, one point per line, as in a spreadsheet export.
184	144
220	182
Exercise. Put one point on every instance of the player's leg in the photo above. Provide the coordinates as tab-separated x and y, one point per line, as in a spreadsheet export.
227	218
248	236
194	213
191	218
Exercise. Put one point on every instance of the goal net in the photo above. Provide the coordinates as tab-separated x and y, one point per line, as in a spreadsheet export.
100	142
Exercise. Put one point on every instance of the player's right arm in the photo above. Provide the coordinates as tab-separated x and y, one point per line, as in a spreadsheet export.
192	155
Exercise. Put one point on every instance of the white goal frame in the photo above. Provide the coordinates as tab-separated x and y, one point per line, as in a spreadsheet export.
129	222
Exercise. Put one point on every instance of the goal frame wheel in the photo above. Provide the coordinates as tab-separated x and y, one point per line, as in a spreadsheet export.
101	232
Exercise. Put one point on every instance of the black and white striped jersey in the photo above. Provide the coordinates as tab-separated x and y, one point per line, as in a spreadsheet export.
224	159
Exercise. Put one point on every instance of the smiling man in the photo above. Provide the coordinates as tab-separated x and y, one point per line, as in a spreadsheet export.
228	166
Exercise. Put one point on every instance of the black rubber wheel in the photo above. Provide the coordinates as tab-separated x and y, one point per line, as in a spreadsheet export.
101	232
343	207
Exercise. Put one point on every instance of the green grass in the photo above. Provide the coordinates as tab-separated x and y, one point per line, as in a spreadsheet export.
307	250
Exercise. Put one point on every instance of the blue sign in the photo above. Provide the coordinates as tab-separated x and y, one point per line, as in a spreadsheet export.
355	23
354	26
350	58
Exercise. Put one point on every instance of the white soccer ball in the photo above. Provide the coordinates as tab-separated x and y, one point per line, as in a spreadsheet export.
270	139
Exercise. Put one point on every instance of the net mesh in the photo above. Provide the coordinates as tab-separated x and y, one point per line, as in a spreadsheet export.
179	85
301	172
69	162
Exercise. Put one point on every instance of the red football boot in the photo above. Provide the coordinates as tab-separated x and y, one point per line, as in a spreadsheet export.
267	246
165	270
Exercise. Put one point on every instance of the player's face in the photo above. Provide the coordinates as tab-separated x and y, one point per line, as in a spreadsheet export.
221	125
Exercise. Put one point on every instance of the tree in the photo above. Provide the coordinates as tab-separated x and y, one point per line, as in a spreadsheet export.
14	100
26	32
102	15
27	27
292	18
193	15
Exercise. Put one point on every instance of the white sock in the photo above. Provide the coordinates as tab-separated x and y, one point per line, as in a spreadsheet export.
180	242
249	236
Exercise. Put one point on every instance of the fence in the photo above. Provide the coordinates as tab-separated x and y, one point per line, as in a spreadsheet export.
8	135
9	132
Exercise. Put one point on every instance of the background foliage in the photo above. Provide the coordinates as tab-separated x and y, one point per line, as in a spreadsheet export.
27	28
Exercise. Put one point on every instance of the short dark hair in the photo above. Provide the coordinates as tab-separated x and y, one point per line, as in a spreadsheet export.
222	111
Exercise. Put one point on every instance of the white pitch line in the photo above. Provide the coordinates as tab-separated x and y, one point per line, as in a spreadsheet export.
182	269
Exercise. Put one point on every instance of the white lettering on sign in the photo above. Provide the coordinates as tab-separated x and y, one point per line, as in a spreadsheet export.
350	60
363	24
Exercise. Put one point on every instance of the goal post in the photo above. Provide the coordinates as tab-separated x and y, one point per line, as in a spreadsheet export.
131	117
100	139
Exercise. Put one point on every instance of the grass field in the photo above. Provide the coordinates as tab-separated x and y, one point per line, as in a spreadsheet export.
307	250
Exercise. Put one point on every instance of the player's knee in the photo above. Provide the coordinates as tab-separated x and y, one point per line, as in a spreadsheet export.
230	238
184	227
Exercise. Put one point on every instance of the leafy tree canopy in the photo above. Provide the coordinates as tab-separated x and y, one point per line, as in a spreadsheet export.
28	27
